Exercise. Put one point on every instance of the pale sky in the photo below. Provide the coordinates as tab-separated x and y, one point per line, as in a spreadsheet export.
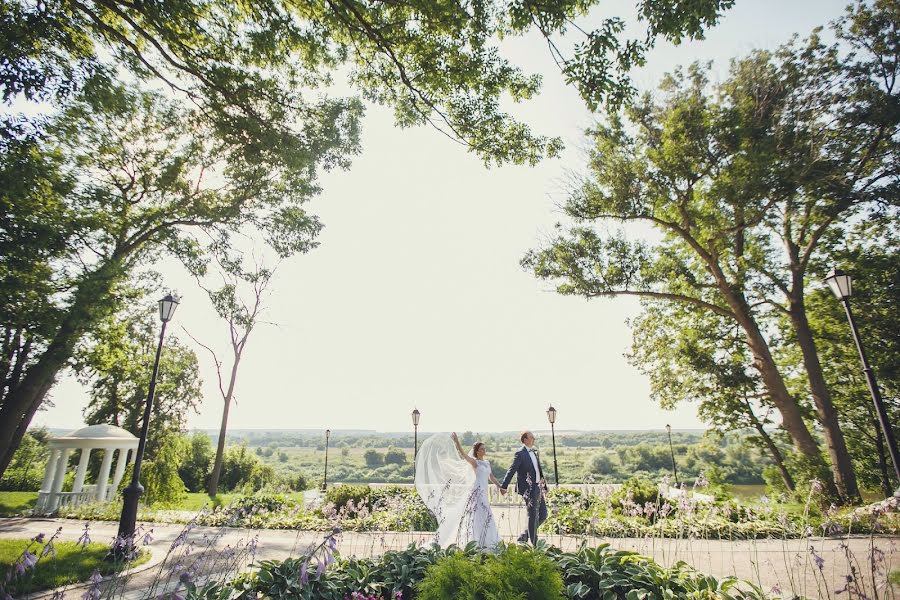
415	297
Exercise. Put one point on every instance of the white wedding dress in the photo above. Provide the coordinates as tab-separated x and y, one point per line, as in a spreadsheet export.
456	494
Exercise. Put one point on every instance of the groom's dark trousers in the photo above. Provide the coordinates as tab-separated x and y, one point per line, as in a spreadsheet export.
526	485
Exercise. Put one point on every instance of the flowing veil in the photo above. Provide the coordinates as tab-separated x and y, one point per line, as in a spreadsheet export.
445	482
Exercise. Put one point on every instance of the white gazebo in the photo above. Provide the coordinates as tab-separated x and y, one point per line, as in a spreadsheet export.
109	438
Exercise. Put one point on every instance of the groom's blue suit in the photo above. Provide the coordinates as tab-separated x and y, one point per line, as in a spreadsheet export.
528	487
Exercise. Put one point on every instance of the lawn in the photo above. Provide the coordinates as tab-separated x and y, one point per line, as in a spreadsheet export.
72	564
16	503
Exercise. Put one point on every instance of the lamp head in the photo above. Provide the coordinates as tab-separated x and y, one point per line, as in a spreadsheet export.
551	414
415	417
840	283
167	308
668	428
327	433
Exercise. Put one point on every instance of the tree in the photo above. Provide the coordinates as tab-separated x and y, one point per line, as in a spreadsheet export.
116	177
869	252
138	187
116	362
394	456
373	458
194	468
433	63
242	316
744	181
697	356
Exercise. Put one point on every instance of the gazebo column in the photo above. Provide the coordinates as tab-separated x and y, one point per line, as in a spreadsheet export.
61	465
103	476
50	470
82	470
121	462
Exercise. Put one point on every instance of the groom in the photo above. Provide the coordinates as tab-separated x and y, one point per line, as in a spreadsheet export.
526	466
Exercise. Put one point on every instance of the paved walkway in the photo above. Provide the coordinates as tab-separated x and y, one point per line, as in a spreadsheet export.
788	566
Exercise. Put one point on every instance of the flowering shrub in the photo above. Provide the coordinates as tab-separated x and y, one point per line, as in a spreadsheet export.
514	571
605	514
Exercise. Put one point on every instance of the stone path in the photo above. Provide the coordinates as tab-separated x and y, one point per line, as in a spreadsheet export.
771	564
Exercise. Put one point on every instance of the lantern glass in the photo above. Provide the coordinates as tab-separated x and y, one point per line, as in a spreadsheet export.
668	428
551	414
167	308
840	283
415	416
327	433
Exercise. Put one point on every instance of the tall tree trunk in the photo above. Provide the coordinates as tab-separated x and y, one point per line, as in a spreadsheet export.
213	487
791	416
776	456
841	464
19	405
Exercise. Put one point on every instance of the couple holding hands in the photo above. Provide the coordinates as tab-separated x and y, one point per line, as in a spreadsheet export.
456	491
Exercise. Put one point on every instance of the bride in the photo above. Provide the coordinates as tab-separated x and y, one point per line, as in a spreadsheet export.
454	487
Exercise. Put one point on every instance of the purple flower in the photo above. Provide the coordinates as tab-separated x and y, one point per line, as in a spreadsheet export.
820	562
85	537
39	538
148	538
93	592
28	559
320	569
304	574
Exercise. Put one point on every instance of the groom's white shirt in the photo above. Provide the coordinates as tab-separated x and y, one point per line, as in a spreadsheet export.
534	462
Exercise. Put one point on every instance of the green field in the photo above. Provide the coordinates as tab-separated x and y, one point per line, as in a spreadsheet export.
16	503
72	564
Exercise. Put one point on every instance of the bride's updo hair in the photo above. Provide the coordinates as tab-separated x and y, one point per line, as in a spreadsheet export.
476	448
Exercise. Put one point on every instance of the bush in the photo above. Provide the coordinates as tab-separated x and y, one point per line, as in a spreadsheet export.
639	490
26	470
516	572
340	495
196	466
394	456
373	459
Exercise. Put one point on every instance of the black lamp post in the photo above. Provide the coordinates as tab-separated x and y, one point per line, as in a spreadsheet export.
325	480
415	418
124	544
672	451
842	285
551	416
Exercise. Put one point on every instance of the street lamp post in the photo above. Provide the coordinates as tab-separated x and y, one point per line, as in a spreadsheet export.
842	285
551	416
672	451
124	544
325	480
415	419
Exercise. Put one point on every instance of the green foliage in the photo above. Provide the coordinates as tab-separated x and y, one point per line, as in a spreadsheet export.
513	572
115	361
243	471
340	495
26	471
373	458
159	476
745	181
197	462
638	490
602	572
394	456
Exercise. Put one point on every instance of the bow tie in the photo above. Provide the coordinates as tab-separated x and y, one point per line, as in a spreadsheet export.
532	450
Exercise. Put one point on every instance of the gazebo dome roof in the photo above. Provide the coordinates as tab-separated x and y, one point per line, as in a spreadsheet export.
100	432
95	436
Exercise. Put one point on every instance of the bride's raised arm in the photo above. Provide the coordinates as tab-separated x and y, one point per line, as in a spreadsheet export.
462	452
